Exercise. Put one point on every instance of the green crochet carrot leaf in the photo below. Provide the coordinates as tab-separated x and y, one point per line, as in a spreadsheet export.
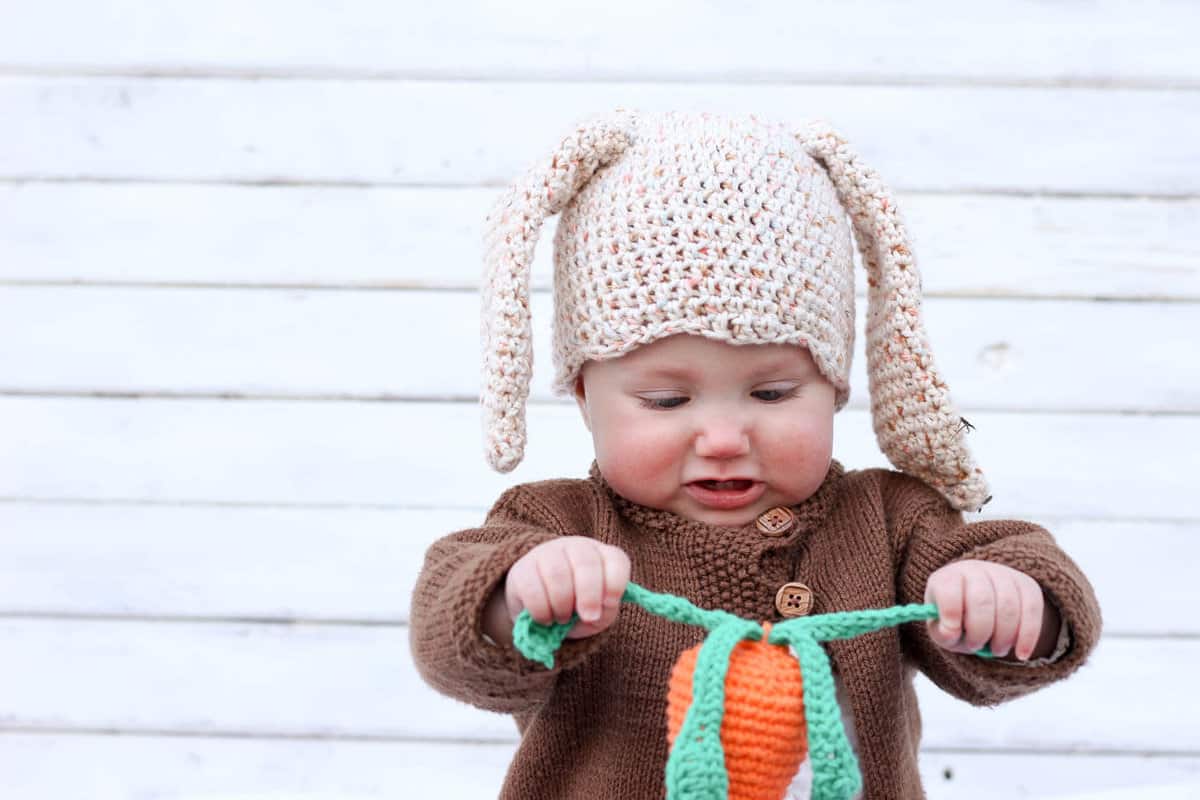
696	768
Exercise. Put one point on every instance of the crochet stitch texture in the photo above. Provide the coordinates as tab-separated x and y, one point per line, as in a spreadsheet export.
696	768
733	228
763	728
596	724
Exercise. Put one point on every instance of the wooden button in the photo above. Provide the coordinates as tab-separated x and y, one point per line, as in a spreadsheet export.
794	600
776	521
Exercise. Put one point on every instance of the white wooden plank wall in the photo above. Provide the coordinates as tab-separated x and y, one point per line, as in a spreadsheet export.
238	321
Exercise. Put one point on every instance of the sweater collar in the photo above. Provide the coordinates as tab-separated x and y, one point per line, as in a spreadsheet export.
810	513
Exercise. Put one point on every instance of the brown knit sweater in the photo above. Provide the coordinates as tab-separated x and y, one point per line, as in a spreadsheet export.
595	725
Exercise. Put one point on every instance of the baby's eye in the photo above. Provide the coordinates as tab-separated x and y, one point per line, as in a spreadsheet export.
662	402
778	394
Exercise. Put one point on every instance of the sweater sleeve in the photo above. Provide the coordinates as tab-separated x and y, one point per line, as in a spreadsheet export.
459	574
933	534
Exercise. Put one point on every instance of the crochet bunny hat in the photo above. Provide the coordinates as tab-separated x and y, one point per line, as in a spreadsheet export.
733	228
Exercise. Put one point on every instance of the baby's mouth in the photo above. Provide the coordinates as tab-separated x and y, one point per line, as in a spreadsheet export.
736	485
726	495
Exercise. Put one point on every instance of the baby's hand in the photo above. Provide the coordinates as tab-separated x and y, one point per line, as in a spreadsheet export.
980	602
566	575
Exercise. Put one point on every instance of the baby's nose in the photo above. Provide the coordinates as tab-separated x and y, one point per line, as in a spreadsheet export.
722	438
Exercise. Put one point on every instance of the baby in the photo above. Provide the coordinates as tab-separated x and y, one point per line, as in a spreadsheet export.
704	323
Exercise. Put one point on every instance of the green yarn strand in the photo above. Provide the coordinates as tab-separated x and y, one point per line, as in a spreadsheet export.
677	609
848	624
834	766
539	642
696	766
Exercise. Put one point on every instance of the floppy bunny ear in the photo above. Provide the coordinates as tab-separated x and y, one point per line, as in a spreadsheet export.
511	233
915	423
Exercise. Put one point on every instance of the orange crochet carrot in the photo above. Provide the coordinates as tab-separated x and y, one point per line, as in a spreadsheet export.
748	730
763	732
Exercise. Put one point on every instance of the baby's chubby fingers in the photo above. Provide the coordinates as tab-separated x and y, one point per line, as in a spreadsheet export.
945	589
557	574
523	589
614	567
1008	611
566	576
966	600
983	603
616	575
1033	607
587	566
979	611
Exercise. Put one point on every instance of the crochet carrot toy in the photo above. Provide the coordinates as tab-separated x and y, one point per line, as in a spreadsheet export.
762	731
741	713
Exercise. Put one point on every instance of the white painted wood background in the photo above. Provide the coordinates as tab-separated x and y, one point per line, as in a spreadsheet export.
238	330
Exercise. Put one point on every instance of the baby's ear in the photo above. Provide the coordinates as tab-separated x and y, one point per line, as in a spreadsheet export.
581	400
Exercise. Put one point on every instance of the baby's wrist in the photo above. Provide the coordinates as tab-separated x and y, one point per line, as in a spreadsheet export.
497	623
1051	624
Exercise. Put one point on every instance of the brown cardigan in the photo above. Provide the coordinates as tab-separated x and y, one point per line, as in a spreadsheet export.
595	725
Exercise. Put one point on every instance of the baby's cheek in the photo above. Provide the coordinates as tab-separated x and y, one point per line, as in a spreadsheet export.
798	456
635	459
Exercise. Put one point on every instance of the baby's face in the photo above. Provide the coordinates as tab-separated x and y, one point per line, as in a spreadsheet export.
686	409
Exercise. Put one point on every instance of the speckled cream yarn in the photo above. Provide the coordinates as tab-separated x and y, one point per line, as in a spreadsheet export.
734	228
